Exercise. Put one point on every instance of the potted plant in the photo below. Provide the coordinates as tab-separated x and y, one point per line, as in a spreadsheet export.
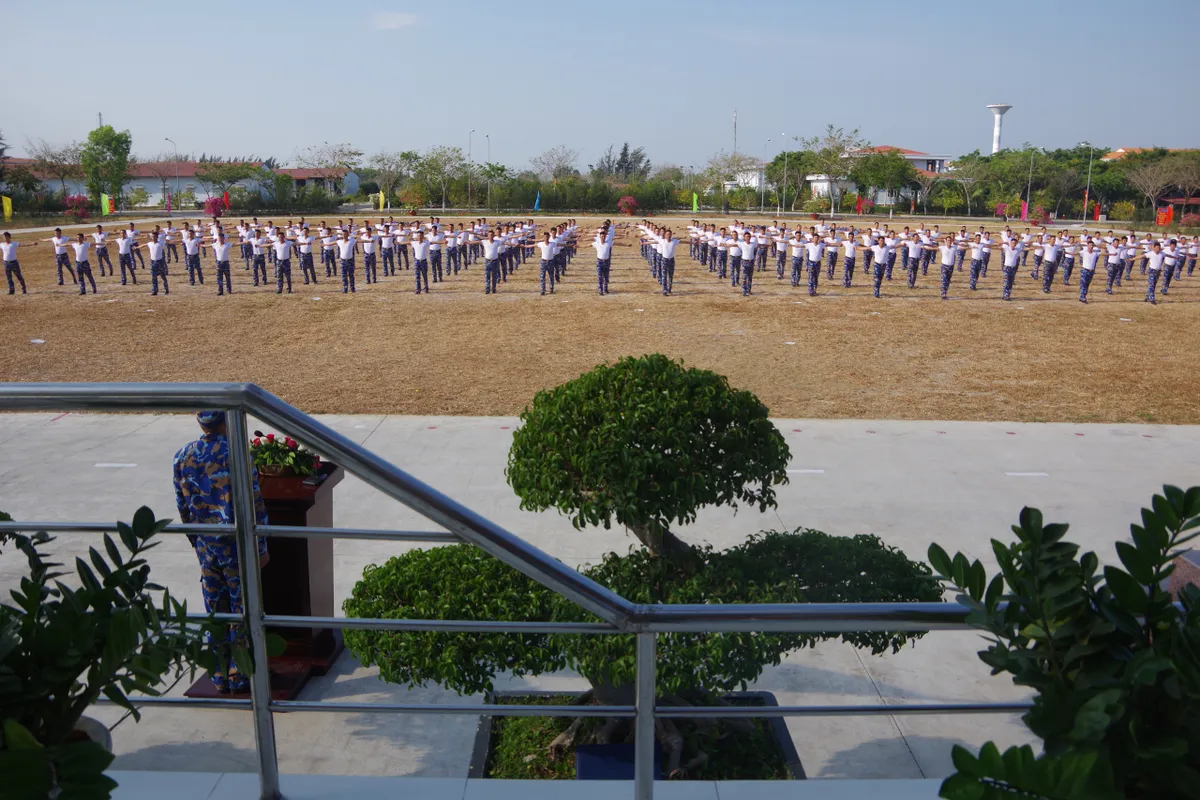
644	443
61	648
287	471
1114	661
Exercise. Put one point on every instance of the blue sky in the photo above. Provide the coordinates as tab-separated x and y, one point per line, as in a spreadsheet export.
271	77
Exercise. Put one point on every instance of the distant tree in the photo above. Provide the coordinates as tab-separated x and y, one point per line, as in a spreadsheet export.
3	158
392	169
1062	182
1186	167
330	162
439	166
788	172
926	181
669	173
726	167
888	171
556	163
218	177
1152	179
60	162
164	167
105	158
831	155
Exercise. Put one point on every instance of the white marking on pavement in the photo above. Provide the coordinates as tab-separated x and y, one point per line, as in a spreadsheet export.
37	341
108	465
806	472
1028	474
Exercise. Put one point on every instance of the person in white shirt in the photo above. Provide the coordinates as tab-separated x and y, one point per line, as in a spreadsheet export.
976	248
1170	264
1050	254
603	243
849	247
283	262
387	250
305	242
191	256
669	244
1154	265
345	249
420	254
61	259
158	263
913	250
221	250
83	267
1087	268
100	243
134	234
880	252
1013	251
748	248
948	252
12	267
435	241
1193	253
1114	263
547	268
814	251
491	263
125	257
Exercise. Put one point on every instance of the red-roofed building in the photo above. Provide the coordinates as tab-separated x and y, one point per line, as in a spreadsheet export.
1121	152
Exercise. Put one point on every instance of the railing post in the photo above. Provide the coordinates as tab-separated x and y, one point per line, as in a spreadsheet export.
260	682
643	758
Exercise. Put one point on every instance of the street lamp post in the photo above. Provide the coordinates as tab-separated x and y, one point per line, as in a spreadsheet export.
470	166
1087	192
762	179
172	141
779	203
488	136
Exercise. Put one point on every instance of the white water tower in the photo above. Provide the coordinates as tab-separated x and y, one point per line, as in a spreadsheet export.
999	110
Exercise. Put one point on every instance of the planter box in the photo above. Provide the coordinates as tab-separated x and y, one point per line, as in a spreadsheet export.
482	750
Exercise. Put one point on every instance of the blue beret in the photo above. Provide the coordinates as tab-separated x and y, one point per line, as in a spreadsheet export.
211	419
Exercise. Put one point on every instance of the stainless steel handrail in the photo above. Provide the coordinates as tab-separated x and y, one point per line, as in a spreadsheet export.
617	614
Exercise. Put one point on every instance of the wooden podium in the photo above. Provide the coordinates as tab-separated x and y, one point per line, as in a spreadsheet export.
297	581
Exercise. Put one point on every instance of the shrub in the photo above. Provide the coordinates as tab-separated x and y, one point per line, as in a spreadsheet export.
1115	663
817	205
413	196
1121	211
242	200
214	206
77	207
138	197
1190	220
627	205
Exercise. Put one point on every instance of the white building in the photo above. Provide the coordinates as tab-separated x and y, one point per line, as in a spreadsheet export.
178	178
925	163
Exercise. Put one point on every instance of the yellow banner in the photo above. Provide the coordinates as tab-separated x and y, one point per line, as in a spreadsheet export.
7	203
381	200
104	206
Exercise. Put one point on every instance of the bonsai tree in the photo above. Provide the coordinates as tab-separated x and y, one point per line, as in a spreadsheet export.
1115	663
62	648
645	443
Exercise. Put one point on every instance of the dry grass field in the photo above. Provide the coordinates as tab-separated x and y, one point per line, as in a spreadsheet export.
906	355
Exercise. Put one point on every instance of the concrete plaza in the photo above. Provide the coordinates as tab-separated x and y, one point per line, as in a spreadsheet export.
912	483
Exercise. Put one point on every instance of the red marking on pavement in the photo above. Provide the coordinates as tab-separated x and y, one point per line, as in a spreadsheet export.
1011	433
797	430
432	428
503	427
1079	434
60	416
1147	436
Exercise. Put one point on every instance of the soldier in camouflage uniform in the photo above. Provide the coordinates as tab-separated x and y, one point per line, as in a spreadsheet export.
204	495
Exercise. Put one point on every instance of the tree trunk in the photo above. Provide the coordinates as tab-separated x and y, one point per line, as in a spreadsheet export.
661	542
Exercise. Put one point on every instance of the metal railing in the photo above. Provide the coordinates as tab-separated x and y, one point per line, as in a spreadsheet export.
618	615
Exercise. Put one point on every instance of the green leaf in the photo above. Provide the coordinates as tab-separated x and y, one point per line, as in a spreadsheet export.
18	737
1128	591
962	787
939	560
1138	562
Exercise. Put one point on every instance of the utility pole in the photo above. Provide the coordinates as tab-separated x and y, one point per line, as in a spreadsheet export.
779	199
1088	190
735	131
1029	186
470	166
99	119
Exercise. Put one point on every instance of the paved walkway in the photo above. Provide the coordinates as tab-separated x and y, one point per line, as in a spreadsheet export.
910	482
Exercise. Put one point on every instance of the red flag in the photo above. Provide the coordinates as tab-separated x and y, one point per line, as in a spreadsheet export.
1096	212
1085	203
226	199
858	205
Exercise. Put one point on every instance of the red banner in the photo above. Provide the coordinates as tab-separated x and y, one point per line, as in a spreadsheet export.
1024	210
226	199
1096	212
858	204
1163	217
